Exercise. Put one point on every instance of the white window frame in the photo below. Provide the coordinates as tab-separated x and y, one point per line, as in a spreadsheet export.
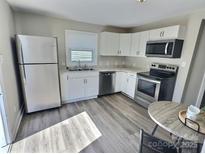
92	45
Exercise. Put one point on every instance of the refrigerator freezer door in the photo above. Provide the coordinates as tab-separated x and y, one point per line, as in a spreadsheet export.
41	87
36	49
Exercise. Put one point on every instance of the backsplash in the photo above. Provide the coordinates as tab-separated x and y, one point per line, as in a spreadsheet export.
137	62
105	61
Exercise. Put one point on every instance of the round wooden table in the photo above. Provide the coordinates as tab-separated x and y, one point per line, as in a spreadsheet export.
165	115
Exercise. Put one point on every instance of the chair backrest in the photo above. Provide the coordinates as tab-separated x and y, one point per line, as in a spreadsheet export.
151	144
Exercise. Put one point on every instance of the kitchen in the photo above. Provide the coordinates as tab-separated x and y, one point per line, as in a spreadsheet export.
115	62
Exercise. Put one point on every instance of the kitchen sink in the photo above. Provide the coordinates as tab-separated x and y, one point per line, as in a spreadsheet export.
81	69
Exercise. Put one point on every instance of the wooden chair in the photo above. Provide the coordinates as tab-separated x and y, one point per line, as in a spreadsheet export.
151	144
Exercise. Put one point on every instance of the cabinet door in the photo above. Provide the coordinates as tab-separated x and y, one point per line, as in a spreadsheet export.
125	43
144	37
131	86
64	87
156	34
75	88
91	86
171	32
118	82
109	43
135	44
124	82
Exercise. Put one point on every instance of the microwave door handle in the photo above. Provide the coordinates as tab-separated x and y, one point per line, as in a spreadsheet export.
166	47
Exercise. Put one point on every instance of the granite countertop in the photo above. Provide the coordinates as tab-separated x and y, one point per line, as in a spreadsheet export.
104	69
121	69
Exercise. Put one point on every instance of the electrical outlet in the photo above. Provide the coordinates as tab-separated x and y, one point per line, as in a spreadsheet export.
183	64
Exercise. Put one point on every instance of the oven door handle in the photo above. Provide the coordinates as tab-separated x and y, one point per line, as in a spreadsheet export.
149	80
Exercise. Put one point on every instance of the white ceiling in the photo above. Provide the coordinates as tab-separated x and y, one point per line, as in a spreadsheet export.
122	13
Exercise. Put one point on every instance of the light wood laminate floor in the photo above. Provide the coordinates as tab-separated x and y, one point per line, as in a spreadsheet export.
117	117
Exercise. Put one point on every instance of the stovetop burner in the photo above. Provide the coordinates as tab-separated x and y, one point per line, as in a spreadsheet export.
160	71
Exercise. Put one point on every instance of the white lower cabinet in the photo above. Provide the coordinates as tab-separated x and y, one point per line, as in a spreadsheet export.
92	86
131	85
76	86
126	82
118	82
79	86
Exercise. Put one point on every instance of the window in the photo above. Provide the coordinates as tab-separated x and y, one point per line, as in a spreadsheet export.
81	47
82	55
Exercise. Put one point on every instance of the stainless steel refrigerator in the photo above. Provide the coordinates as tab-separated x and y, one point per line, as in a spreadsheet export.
38	63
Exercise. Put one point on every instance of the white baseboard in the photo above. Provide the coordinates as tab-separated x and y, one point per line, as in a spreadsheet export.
17	123
79	99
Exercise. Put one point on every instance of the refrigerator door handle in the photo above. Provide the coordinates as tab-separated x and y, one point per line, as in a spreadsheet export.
21	50
24	72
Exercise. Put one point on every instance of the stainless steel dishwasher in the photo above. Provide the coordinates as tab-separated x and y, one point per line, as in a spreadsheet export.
107	83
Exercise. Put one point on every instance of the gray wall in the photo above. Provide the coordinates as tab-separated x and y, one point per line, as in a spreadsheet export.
33	24
7	31
197	70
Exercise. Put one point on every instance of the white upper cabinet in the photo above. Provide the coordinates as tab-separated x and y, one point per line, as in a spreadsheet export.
109	43
144	37
135	44
125	43
139	42
172	32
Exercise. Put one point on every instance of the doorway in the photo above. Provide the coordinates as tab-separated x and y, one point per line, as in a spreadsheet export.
4	131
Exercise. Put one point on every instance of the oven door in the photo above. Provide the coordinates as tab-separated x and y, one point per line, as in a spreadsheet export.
147	90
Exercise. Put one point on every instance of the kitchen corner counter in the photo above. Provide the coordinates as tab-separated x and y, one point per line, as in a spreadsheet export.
121	69
106	69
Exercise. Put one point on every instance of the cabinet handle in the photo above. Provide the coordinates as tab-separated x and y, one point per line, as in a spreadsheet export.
160	34
67	77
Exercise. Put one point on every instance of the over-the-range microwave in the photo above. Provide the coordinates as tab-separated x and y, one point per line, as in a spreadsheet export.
164	48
